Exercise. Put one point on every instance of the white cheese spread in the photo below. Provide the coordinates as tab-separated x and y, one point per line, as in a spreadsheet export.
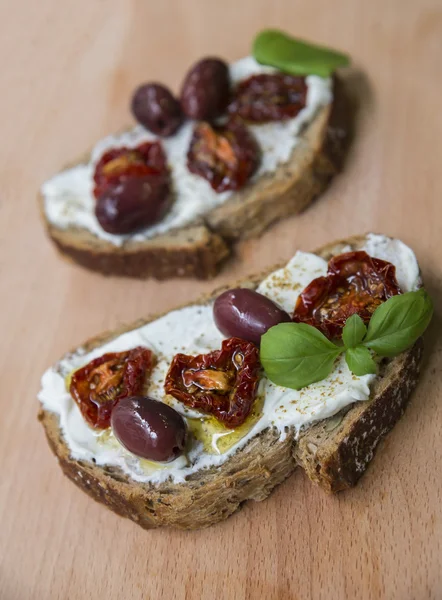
69	200
192	330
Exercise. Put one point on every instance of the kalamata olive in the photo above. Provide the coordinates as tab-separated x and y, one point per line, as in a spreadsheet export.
246	314
149	428
154	107
206	89
133	203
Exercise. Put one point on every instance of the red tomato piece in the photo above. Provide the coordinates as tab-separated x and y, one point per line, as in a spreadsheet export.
119	164
225	156
101	384
269	97
222	383
356	283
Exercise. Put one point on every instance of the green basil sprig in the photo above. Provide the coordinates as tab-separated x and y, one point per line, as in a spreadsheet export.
397	321
360	361
288	54
295	354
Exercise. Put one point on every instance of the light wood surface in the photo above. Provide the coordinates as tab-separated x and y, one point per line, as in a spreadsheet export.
68	69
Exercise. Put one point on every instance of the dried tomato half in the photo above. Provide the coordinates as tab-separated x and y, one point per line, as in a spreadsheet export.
99	385
222	383
226	156
119	164
269	97
355	283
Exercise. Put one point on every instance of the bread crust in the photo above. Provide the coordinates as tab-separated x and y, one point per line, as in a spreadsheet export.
334	452
199	250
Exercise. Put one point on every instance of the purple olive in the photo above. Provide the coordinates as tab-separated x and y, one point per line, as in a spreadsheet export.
133	203
205	92
154	106
149	428
246	314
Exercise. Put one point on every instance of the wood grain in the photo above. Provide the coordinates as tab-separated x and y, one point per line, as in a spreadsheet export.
67	71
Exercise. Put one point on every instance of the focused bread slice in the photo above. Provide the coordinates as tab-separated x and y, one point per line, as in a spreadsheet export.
199	250
334	452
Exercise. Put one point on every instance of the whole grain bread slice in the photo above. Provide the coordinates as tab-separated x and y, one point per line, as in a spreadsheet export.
334	452
200	249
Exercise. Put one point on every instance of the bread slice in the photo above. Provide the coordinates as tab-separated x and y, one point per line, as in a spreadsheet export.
200	249
334	452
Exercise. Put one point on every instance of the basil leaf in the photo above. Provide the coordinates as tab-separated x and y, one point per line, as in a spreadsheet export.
399	322
295	355
354	331
360	361
277	49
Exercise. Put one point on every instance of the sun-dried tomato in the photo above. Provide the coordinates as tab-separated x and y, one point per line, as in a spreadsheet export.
222	383
119	164
101	384
269	97
226	156
355	283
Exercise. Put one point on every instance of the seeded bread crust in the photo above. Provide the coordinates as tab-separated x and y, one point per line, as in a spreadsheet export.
334	452
200	249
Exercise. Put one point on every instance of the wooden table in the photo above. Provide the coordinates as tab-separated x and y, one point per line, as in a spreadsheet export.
68	69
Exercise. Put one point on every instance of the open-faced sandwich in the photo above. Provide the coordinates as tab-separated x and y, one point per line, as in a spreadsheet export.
179	419
244	145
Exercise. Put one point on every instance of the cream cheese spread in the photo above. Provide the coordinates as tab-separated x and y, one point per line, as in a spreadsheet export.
192	330
68	196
